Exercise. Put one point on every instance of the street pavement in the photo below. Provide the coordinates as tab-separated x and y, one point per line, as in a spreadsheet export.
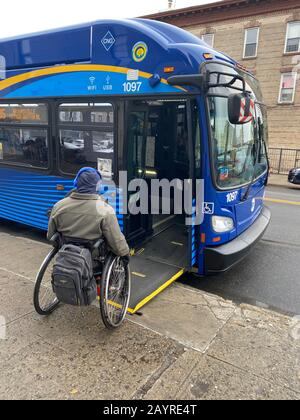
186	344
270	275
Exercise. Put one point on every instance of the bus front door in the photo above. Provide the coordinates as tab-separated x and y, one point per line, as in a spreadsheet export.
158	148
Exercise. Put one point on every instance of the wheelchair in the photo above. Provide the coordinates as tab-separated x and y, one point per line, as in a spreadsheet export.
111	273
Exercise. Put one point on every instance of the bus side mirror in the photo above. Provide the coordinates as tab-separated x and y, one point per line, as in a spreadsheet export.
241	109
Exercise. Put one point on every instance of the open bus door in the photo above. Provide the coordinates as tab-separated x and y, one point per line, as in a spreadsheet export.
159	146
138	226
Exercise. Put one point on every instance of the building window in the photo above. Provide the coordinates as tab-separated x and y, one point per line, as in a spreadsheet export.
287	88
251	42
293	37
209	39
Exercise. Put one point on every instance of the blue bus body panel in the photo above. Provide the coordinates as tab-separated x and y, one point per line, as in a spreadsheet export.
96	59
243	213
26	197
69	46
248	211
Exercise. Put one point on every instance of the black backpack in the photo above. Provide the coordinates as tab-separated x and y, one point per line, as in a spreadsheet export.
73	280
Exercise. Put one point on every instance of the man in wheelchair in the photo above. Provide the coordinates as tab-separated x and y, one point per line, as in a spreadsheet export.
85	215
90	255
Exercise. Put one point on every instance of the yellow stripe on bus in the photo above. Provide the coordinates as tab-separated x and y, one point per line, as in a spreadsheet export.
4	84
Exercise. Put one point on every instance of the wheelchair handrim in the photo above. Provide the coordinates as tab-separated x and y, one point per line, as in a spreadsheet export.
110	305
45	300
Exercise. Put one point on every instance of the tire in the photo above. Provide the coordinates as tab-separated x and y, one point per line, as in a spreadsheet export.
52	302
111	291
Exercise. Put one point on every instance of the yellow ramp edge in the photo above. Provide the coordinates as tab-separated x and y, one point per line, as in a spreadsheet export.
156	292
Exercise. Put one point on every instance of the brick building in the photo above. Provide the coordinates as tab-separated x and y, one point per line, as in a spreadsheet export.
264	36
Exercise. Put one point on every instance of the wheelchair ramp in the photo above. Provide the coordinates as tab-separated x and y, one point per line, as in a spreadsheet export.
149	278
158	264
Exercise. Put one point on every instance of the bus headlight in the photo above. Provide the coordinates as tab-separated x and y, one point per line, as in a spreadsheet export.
222	224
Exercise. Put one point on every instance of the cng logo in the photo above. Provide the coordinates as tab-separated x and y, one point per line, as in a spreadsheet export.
108	41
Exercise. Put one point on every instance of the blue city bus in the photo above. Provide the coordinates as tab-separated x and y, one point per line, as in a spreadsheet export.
145	98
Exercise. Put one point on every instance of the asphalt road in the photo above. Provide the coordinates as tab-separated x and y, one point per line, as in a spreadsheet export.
270	275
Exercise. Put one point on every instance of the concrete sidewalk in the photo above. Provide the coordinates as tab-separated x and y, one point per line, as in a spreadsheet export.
186	345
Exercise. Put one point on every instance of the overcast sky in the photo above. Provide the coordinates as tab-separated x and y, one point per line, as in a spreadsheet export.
28	16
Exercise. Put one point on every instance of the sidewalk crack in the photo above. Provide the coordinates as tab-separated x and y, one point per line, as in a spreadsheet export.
219	330
144	389
20	317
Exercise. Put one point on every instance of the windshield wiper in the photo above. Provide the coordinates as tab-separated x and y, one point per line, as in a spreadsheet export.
258	142
267	158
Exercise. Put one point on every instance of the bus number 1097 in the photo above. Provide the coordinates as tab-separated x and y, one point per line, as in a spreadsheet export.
132	87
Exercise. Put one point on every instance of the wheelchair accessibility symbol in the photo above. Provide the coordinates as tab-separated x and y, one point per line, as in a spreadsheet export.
208	208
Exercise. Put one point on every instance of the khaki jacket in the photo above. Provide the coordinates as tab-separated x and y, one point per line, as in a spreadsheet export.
89	217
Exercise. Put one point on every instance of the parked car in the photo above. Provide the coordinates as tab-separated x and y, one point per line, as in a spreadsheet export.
294	176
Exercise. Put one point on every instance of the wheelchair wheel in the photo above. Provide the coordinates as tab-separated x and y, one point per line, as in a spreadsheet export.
114	292
45	301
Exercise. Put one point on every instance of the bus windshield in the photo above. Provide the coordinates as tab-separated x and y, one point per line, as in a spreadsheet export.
237	153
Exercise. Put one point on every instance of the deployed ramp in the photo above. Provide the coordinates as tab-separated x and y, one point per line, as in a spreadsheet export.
156	266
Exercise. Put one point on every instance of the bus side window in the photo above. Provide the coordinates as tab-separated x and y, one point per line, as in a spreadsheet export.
86	137
24	135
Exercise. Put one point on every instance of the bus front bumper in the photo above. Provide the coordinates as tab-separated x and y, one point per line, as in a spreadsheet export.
221	259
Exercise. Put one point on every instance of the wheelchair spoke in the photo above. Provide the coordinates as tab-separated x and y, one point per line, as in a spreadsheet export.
117	293
47	296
